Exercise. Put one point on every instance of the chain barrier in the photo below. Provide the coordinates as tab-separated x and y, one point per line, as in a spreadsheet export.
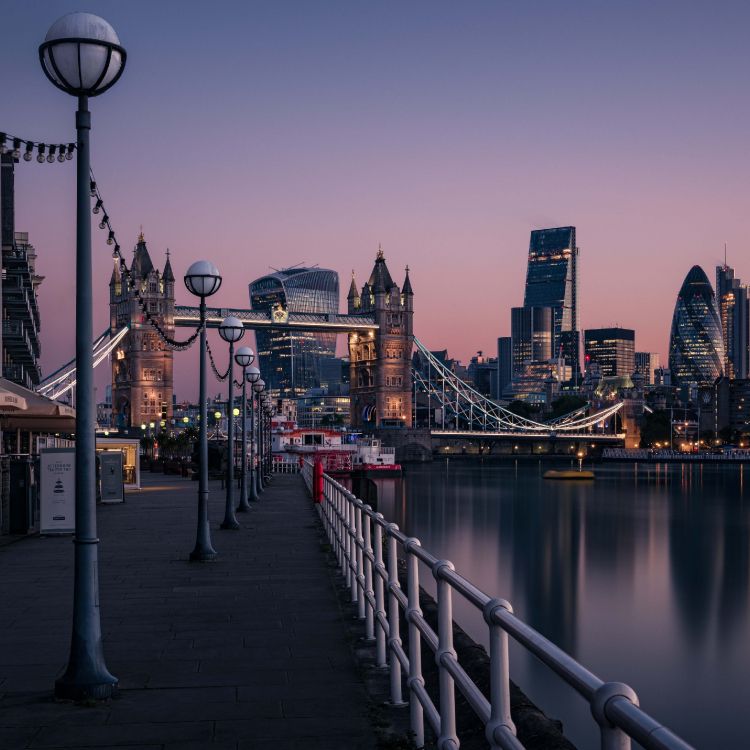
218	375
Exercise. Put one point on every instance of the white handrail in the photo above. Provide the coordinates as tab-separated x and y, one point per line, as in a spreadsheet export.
356	533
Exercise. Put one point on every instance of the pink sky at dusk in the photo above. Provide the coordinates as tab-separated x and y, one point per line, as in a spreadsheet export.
259	135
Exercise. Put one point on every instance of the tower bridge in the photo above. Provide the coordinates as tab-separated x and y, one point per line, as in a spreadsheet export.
384	386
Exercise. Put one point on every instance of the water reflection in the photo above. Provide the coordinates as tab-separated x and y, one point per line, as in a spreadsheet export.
641	574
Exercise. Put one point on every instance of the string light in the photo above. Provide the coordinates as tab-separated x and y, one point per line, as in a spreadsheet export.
130	280
46	152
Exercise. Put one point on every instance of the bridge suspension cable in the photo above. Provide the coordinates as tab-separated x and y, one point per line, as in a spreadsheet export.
64	378
478	413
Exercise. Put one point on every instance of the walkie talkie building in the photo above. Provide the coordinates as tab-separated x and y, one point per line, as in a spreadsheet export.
290	362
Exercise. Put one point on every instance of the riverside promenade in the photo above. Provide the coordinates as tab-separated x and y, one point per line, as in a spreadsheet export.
251	652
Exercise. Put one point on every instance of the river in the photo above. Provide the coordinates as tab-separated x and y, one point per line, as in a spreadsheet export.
642	575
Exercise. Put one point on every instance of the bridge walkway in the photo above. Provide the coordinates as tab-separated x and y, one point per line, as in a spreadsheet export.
249	653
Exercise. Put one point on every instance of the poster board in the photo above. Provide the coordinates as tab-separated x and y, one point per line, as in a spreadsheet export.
57	491
112	489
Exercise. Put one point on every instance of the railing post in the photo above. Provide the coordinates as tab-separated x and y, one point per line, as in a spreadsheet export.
499	675
359	540
380	634
448	739
613	738
415	641
340	531
369	619
352	566
394	636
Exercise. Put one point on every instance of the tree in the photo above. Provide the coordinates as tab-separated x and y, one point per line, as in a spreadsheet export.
655	428
566	404
522	408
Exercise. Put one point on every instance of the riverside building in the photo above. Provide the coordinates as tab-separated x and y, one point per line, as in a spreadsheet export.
613	349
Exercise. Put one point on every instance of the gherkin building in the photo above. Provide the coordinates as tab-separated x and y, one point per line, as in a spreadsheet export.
696	346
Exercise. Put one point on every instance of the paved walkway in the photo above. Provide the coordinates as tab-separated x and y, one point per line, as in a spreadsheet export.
249	653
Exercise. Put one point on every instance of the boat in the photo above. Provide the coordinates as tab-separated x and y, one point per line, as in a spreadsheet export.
569	474
374	459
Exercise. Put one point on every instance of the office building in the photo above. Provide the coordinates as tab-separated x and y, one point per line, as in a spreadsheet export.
532	331
612	349
291	362
504	363
20	348
552	281
646	364
733	308
696	344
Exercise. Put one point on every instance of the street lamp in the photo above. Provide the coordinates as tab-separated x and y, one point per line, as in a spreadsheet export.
231	330
81	55
259	386
252	376
202	279
244	358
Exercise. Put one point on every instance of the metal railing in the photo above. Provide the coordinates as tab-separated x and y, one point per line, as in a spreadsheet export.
286	466
357	535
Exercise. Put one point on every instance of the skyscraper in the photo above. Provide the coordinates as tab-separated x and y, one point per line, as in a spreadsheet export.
290	362
613	349
696	346
504	363
733	307
552	281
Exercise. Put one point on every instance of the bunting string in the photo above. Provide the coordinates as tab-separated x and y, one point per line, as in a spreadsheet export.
128	278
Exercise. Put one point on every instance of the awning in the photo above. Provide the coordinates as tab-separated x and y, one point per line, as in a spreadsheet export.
38	413
11	401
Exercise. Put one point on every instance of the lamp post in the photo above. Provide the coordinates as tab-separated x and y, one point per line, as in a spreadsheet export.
82	56
202	279
244	358
231	330
259	387
266	439
252	376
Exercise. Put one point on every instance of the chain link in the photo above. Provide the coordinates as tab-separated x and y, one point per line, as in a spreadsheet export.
218	375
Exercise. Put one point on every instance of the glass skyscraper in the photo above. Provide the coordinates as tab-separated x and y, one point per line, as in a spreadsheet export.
552	281
696	346
290	363
613	349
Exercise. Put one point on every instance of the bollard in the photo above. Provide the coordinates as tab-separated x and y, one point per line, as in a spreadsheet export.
318	481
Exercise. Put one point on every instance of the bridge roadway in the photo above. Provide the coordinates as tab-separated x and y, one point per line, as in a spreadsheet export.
248	653
258	319
510	436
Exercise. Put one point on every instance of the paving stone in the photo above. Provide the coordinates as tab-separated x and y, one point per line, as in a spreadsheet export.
248	652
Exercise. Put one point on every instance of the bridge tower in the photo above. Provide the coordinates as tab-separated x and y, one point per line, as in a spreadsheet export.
142	383
380	363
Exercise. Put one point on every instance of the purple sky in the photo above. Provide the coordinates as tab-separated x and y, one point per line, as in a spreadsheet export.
268	134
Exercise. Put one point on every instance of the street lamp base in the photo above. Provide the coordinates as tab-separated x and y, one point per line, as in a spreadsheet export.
80	688
229	525
203	555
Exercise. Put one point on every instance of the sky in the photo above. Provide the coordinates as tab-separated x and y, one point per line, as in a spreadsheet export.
261	135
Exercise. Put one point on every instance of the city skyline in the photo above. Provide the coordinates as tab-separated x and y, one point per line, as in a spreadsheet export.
331	133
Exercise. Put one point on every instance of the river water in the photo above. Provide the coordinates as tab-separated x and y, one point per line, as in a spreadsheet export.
642	575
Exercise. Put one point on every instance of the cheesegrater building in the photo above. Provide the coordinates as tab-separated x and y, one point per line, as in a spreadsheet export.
290	363
696	346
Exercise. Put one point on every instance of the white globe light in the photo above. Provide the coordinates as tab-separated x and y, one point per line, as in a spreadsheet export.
252	375
231	329
259	386
82	55
203	278
244	356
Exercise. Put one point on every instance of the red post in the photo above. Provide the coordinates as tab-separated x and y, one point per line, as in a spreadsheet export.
318	480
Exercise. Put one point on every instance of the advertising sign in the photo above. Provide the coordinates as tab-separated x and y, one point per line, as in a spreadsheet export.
57	491
110	471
